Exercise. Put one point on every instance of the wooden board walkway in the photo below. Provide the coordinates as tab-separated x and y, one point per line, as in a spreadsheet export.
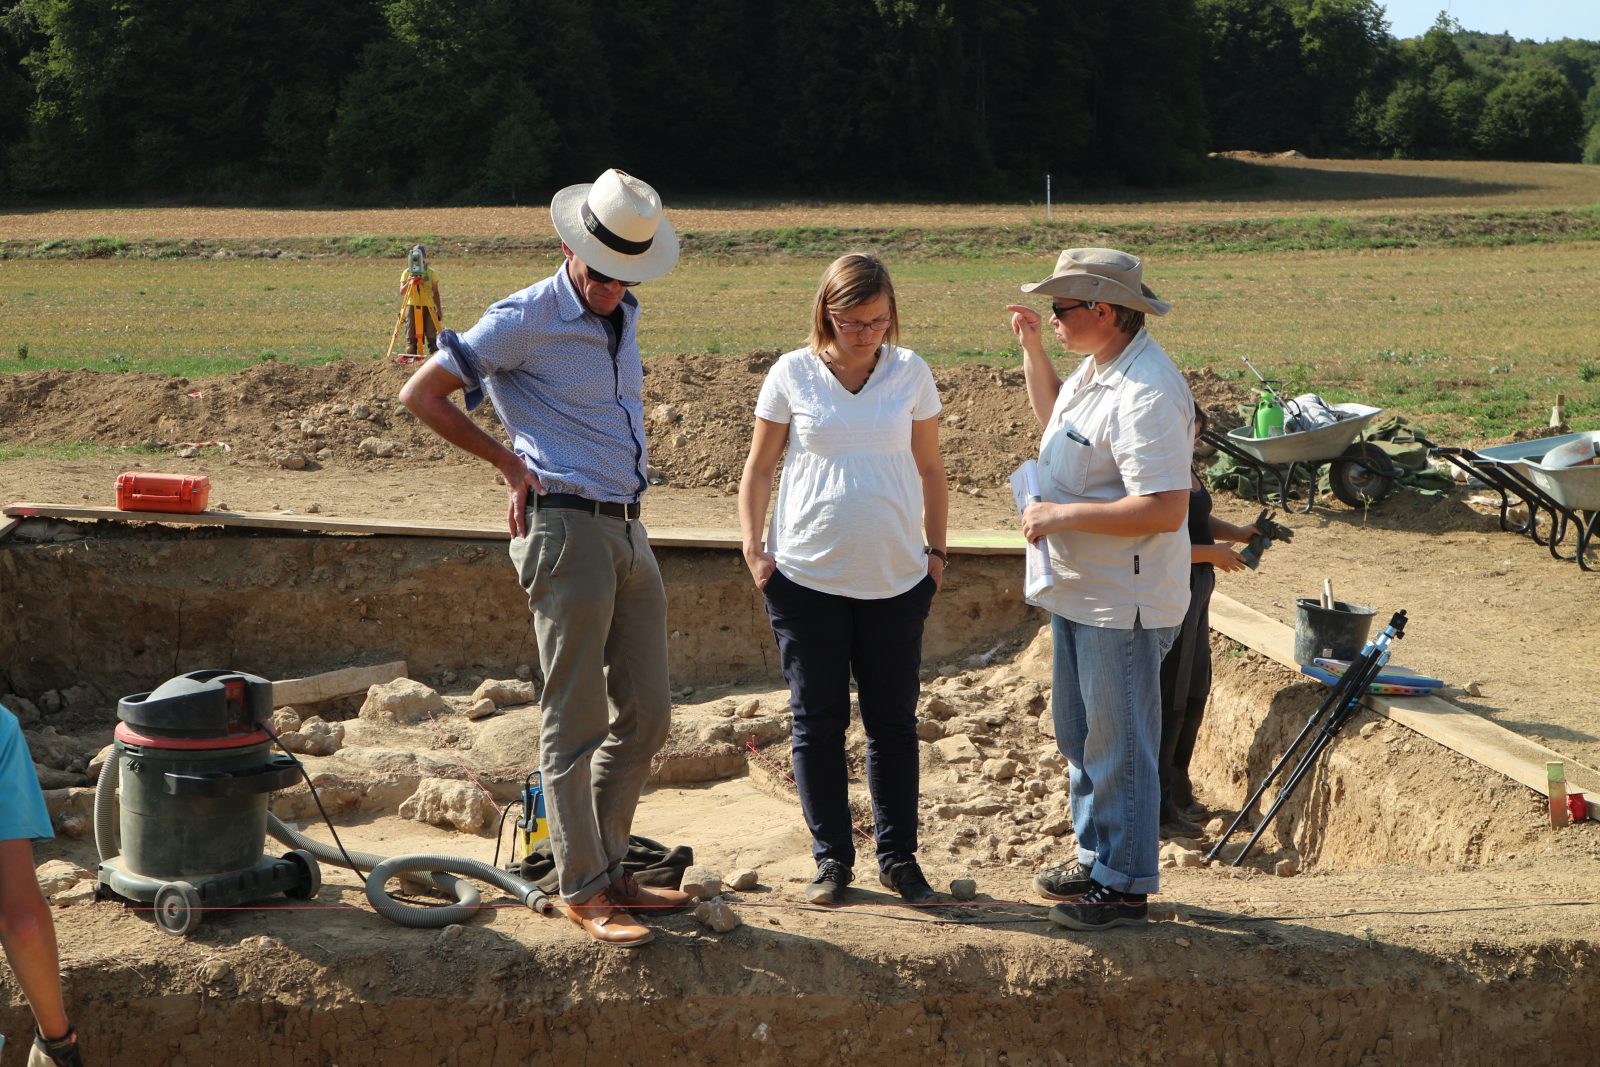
982	542
1458	729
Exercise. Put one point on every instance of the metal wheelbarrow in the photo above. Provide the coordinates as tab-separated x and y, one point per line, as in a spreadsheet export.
1555	480
1359	472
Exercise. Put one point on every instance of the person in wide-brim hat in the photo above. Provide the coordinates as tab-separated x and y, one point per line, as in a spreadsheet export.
560	362
1101	274
615	225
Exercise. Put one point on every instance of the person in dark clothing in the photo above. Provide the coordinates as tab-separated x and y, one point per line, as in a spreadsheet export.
1186	668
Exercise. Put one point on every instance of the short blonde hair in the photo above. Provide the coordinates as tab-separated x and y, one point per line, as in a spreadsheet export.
850	281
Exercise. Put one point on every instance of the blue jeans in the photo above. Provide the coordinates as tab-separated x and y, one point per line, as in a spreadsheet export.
824	639
1106	700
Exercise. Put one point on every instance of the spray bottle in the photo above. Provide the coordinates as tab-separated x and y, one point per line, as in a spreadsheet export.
1269	415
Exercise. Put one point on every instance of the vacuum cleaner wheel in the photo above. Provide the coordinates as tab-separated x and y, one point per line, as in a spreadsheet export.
177	908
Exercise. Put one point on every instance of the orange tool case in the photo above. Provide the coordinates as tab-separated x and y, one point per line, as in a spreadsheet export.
144	491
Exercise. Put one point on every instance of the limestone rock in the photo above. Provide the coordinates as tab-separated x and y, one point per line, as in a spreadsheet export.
762	731
402	701
284	721
744	880
51	778
77	895
929	730
84	697
979	806
315	737
964	888
1286	868
482	709
1000	770
450	804
95	764
717	915
506	692
55	875
1369	729
49	748
701	883
957	749
749	709
938	708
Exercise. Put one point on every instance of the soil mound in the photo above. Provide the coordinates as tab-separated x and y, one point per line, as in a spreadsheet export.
698	411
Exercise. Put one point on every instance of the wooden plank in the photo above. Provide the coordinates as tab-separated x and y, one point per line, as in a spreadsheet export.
1458	729
973	542
248	520
7	527
326	686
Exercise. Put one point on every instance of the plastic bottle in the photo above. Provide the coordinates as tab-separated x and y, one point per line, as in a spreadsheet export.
1269	417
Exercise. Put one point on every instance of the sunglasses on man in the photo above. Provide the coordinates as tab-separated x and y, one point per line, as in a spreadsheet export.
605	279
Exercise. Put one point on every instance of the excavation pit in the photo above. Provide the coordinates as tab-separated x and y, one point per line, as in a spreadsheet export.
1434	918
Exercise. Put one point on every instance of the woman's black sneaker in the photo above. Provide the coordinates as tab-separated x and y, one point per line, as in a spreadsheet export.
828	886
906	879
1101	909
1064	883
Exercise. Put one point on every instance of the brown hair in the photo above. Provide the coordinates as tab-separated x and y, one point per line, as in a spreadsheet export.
851	281
1129	320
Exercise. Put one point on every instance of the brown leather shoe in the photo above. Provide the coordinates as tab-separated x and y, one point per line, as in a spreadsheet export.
607	921
649	899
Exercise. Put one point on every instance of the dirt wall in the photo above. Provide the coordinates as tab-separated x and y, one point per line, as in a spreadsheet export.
123	608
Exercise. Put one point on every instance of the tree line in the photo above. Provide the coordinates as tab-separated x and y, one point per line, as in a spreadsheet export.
435	101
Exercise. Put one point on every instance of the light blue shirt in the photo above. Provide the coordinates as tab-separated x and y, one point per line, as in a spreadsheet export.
566	388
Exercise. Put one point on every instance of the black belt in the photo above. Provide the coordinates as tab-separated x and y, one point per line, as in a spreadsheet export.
573	502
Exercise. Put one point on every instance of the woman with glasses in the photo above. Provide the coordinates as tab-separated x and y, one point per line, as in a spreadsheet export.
850	561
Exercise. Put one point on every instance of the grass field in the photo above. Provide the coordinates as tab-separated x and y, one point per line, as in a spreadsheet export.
1472	330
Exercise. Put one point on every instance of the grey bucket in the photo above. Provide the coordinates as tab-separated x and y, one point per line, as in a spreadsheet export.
1340	633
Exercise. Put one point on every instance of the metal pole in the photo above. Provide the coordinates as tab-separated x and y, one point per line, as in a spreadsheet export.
1047	198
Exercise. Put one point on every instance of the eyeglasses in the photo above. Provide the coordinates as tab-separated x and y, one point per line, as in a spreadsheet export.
605	279
852	326
1061	312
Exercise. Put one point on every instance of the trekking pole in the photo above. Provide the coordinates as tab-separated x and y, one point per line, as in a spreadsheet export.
1335	696
1365	669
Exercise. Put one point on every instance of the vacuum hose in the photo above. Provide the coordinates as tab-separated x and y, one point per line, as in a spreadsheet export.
443	869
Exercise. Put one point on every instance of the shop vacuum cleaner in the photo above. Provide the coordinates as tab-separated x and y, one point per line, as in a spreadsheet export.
195	767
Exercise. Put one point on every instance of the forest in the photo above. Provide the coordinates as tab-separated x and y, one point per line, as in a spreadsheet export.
425	102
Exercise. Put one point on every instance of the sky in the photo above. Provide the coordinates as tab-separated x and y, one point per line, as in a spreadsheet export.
1539	20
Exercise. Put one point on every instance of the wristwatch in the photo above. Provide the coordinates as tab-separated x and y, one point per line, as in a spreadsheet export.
929	550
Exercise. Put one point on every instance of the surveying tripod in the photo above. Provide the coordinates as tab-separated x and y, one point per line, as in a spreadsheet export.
415	302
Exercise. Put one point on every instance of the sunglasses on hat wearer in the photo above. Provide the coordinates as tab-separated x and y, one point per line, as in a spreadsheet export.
605	279
1061	312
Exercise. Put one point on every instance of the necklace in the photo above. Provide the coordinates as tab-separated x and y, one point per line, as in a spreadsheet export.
828	356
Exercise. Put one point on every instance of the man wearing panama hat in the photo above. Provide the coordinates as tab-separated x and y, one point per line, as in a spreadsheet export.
560	360
1114	481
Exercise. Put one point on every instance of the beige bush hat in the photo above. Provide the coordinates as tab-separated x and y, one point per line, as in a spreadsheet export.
615	225
1101	274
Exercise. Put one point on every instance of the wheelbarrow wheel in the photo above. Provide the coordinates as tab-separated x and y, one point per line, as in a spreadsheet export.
1362	476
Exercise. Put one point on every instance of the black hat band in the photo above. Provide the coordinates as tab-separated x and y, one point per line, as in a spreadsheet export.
611	240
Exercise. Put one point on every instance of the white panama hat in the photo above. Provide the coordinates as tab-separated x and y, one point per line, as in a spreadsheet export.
615	225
